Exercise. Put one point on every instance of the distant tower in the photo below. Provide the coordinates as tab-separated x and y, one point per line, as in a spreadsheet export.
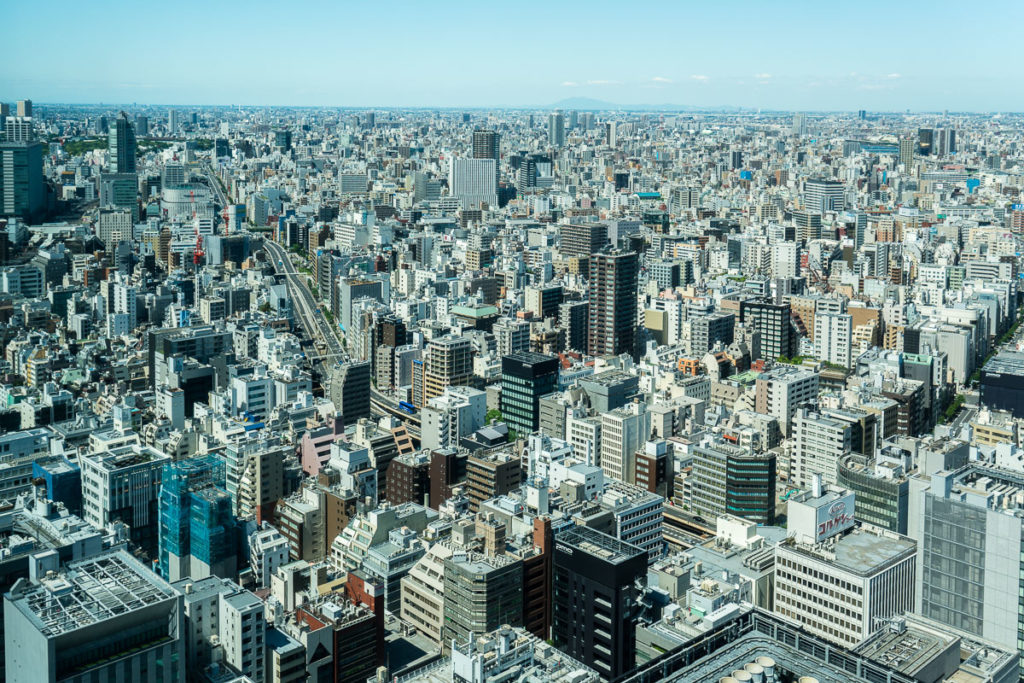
173	121
907	146
799	125
121	145
25	108
613	304
556	130
487	145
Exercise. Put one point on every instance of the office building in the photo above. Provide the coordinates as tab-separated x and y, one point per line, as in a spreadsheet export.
447	362
556	130
823	196
821	442
596	599
773	322
474	182
781	391
838	581
731	480
121	145
624	431
1002	383
489	475
583	239
123	485
22	190
481	593
525	378
224	623
613	304
102	618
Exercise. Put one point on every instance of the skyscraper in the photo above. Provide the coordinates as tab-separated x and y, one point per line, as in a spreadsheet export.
773	322
613	303
595	606
823	195
474	181
907	153
173	121
25	108
525	377
22	192
121	145
487	145
556	130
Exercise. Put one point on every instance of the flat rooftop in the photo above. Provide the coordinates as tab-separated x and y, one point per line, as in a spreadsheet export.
864	552
598	544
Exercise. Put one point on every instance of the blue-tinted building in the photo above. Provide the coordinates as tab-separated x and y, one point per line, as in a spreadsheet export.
197	527
63	481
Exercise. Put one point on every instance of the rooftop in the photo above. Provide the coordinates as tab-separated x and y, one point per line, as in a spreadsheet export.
600	545
90	591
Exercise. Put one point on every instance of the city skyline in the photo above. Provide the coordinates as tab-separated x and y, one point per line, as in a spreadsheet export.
788	57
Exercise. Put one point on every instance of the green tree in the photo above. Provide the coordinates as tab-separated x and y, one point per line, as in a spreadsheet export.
492	416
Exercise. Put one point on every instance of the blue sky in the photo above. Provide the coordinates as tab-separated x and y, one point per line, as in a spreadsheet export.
869	54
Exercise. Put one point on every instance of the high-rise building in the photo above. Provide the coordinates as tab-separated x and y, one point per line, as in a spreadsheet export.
22	191
799	128
731	480
350	390
925	140
556	130
780	392
121	145
141	126
613	303
18	129
487	145
596	599
173	121
197	527
833	338
823	196
773	322
24	108
525	378
821	443
583	239
828	582
481	593
907	148
447	362
112	618
474	182
623	432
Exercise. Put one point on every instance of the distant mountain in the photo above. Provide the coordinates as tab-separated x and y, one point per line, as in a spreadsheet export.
591	104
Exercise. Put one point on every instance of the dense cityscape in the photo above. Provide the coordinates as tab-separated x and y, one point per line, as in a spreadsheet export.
572	394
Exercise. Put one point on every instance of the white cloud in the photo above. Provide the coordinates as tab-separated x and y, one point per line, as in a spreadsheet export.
569	84
762	76
699	77
661	79
893	76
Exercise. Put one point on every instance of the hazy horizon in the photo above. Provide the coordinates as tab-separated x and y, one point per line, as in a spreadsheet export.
794	55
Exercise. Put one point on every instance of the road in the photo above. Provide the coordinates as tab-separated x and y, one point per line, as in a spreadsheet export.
211	178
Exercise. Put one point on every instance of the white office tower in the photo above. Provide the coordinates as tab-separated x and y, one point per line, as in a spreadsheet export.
821	442
785	259
624	431
473	182
833	338
837	581
224	623
107	616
